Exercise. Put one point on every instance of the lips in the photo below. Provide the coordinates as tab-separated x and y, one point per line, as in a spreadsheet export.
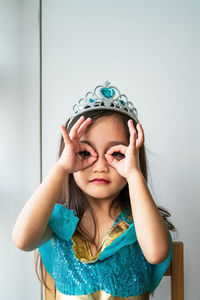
100	180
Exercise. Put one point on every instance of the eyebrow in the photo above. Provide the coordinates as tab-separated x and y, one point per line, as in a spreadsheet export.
111	143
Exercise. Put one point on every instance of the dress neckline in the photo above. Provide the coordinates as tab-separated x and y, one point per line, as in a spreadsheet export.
82	249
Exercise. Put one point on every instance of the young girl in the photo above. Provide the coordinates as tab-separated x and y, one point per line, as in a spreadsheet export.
99	233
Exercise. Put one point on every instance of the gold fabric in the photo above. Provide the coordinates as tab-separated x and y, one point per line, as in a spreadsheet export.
82	250
100	295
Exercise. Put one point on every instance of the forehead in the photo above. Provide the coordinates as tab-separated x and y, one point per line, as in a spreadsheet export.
106	128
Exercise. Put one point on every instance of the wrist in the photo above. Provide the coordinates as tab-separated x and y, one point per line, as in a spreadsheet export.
59	168
134	175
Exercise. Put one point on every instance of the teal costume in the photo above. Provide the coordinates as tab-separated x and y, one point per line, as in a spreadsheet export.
120	269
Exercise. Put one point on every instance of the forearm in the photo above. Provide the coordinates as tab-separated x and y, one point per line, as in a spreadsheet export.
151	230
33	219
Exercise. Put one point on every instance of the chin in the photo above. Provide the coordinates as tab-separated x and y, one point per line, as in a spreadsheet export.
101	195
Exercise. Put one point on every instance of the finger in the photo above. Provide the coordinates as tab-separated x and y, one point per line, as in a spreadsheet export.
65	134
133	134
140	139
75	127
111	160
83	127
88	162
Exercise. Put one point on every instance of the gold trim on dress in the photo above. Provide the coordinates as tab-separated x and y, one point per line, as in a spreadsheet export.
82	250
99	295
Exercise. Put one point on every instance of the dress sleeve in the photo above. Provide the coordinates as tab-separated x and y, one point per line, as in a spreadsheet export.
158	270
63	223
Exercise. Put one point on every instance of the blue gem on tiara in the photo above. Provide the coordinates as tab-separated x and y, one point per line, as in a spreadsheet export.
92	100
107	92
122	102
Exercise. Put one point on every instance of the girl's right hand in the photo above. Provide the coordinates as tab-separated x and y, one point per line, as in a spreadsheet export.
69	159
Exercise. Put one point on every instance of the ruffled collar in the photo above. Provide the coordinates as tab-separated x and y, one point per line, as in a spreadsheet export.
63	222
82	250
111	242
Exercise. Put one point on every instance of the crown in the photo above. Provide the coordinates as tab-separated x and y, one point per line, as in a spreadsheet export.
105	97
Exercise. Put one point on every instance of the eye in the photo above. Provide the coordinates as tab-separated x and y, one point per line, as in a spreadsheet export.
84	153
118	154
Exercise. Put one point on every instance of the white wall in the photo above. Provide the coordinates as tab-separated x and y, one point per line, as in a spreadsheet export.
150	50
19	142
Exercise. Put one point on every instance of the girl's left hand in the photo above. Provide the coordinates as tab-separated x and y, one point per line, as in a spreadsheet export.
130	163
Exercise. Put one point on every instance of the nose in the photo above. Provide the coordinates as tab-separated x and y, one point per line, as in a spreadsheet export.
100	165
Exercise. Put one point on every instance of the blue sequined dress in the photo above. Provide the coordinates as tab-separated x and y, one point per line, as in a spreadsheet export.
120	268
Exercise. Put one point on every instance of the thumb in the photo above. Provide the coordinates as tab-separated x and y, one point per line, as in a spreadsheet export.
88	162
111	160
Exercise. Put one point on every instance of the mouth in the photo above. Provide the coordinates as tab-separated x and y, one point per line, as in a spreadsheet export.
100	181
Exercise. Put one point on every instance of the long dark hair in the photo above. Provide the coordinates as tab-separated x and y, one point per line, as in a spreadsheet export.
74	198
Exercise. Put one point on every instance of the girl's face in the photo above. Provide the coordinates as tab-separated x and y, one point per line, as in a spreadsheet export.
102	135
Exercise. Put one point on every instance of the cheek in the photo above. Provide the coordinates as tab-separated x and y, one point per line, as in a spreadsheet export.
78	177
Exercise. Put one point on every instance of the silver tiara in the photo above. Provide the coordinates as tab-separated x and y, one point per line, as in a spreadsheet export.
105	97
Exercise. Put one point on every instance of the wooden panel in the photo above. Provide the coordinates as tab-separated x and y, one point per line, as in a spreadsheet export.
177	277
49	294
